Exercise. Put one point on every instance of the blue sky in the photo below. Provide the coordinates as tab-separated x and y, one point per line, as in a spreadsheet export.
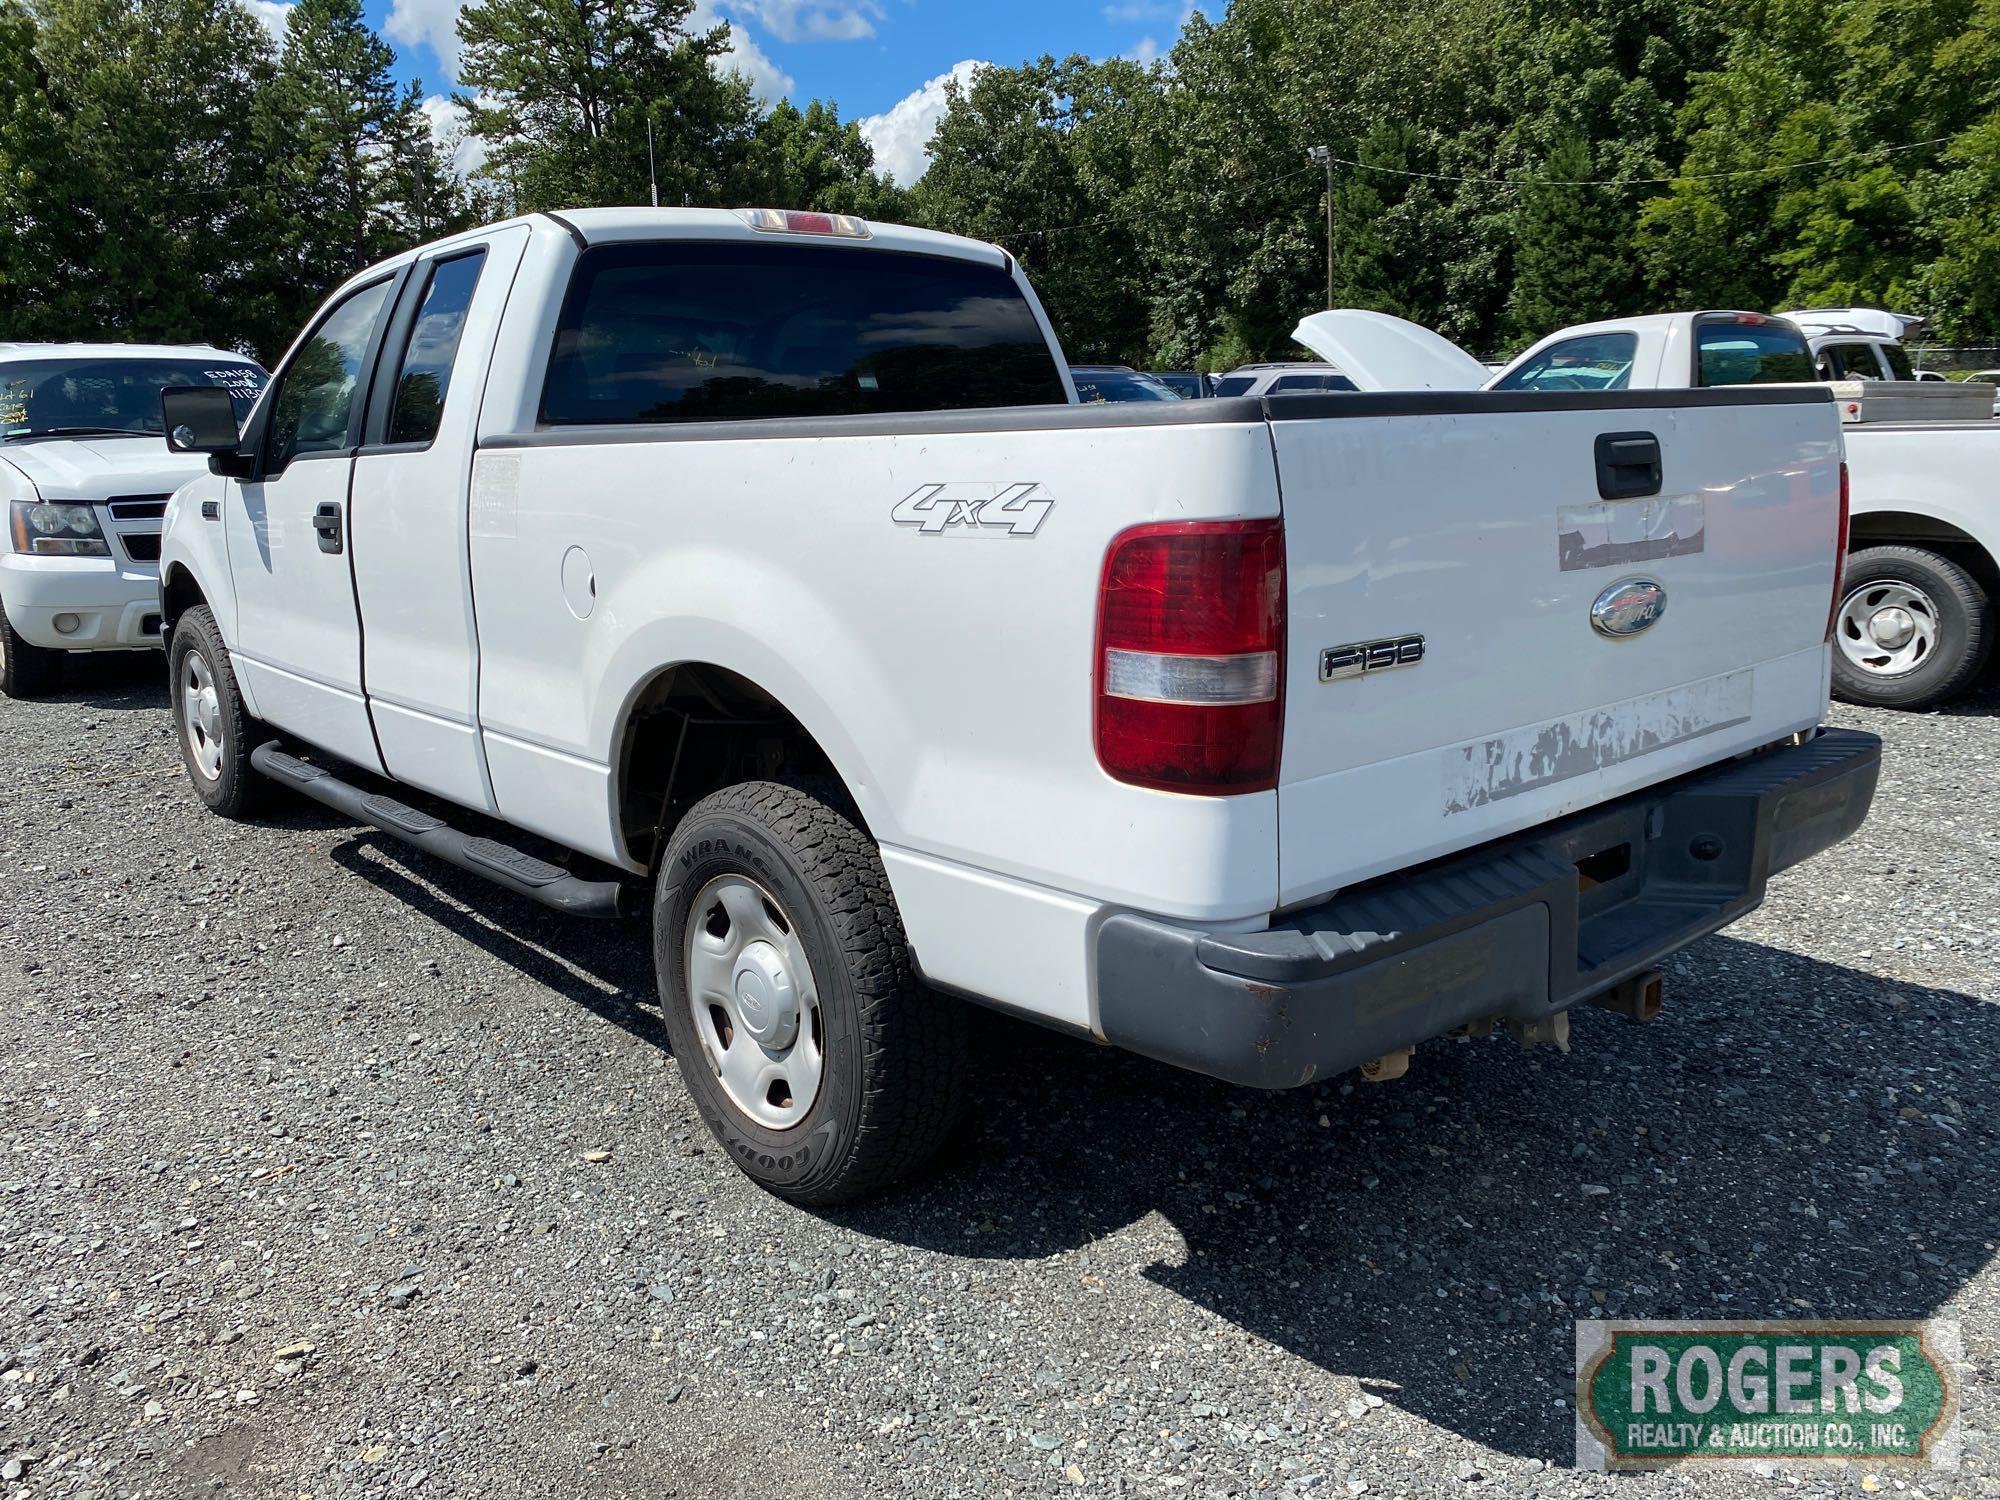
882	61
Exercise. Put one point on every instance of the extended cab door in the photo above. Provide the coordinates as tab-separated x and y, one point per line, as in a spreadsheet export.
298	640
412	573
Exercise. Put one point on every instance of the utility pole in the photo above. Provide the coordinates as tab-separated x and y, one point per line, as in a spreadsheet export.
653	171
1324	156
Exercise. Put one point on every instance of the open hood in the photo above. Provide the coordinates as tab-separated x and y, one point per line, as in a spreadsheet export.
1382	353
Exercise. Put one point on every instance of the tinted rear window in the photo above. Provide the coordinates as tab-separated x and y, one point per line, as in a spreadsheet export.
705	332
1234	385
1750	354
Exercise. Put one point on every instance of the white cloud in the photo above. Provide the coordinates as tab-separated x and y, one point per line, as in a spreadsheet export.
900	134
428	23
813	20
1130	11
447	122
768	81
1145	51
273	14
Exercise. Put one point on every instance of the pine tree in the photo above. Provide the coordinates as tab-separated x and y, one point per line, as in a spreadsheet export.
154	229
562	92
335	133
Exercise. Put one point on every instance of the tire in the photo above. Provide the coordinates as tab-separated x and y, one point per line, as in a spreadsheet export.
26	670
809	915
1943	606
216	738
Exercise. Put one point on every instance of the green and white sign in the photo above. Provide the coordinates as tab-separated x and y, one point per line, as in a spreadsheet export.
1661	1395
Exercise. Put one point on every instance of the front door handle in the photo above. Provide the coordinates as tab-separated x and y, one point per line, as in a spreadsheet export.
326	521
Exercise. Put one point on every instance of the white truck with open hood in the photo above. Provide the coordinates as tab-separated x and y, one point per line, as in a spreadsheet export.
761	570
1916	619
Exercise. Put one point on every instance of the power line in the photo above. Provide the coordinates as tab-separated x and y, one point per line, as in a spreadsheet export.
1516	182
1238	192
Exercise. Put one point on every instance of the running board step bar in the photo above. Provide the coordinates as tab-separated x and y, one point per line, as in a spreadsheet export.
518	871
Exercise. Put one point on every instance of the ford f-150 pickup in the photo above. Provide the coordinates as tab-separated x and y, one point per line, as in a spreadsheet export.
765	566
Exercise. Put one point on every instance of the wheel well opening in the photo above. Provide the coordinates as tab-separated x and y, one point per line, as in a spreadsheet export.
695	729
1907	529
179	593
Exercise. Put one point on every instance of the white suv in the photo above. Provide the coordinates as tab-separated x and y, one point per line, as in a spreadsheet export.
85	480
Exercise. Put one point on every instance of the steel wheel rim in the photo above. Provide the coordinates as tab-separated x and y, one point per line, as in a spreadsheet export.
754	1001
1887	628
201	715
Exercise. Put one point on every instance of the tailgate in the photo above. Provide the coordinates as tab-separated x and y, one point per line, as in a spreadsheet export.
1498	614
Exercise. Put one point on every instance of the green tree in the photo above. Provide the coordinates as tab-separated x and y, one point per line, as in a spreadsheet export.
1040	158
1573	258
30	174
336	137
562	91
810	158
154	228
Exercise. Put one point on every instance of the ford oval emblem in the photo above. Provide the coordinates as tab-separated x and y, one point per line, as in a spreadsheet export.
1625	609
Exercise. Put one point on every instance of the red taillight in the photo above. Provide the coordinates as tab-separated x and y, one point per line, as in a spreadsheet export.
1191	656
1839	556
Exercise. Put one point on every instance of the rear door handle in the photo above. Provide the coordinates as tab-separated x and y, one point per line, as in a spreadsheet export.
326	521
1628	465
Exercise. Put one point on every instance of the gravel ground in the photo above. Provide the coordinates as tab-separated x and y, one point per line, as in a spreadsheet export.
331	1172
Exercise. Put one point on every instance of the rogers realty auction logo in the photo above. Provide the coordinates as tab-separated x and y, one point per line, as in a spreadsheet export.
1658	1395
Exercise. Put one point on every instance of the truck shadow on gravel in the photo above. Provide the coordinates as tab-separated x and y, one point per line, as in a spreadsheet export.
604	967
115	681
1790	1139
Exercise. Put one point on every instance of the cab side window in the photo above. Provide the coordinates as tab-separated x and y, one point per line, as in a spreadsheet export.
425	373
1849	362
314	409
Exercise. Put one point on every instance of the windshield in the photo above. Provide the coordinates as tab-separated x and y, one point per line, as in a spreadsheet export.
1119	385
57	397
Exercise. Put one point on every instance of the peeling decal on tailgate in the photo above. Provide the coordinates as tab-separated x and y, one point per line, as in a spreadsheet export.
1525	760
1620	533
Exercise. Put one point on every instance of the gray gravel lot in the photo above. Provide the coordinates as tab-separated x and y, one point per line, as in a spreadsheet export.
333	1172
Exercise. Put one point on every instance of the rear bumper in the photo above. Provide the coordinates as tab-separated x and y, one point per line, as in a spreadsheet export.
1509	930
105	605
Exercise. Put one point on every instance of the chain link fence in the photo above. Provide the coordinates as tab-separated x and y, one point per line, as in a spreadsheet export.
1954	358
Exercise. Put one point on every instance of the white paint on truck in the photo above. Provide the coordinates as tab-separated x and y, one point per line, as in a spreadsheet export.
1102	683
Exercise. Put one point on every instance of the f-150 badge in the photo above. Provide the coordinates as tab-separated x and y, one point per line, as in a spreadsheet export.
1339	663
973	509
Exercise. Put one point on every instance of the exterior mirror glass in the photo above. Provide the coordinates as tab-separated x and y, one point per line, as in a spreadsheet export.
199	419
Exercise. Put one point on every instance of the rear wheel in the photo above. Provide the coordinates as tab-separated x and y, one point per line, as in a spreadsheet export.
815	1055
215	730
26	670
1913	629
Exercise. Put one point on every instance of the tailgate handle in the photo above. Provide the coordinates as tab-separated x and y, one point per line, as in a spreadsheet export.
1628	465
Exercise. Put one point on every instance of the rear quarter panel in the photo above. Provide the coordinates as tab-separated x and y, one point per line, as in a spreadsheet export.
946	672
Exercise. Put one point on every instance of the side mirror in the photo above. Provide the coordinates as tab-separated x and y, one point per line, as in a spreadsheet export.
202	419
199	419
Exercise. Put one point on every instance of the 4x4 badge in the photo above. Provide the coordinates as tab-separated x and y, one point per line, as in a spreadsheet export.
973	509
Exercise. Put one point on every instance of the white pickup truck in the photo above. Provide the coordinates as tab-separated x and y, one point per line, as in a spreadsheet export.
1916	620
763	564
85	482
